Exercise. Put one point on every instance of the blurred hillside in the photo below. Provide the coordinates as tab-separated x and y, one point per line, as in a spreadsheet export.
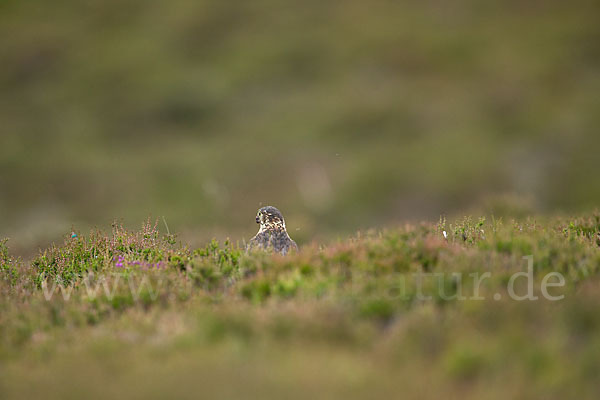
343	114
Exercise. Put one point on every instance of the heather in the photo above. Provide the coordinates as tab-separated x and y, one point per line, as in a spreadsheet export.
363	122
379	313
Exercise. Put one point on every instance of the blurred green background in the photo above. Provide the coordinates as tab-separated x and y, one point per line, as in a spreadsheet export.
344	115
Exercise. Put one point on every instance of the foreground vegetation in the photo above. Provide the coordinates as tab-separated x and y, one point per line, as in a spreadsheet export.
138	314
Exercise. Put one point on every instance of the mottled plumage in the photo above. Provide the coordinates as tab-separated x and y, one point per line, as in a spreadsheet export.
272	235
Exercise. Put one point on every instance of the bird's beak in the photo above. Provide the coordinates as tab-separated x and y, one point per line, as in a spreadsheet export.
257	220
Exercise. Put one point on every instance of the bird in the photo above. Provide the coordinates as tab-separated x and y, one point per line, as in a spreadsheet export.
272	235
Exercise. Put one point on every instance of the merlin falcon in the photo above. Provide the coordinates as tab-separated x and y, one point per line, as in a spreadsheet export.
272	235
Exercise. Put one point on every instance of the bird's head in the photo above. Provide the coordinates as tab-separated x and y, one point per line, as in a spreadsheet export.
270	218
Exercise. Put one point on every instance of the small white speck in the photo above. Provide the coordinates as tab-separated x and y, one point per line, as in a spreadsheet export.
445	235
